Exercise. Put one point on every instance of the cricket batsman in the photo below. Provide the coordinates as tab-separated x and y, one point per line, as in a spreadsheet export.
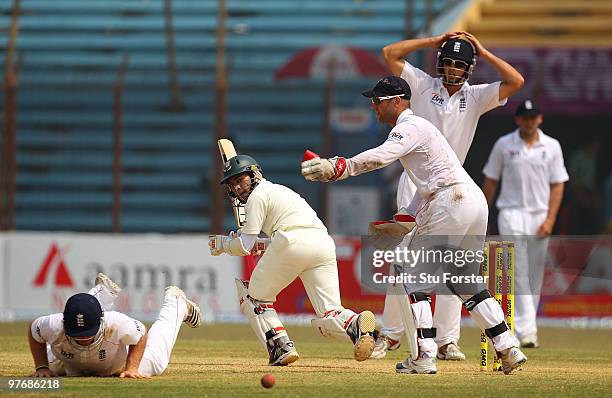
449	207
88	339
299	246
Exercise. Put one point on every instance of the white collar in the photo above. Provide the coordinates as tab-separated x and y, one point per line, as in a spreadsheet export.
405	115
516	138
440	85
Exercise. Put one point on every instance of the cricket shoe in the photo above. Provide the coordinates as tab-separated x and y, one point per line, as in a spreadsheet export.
111	287
383	344
530	342
282	351
361	332
511	358
422	365
193	317
450	352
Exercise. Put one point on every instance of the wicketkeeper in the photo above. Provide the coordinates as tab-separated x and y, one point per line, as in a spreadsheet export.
449	205
454	106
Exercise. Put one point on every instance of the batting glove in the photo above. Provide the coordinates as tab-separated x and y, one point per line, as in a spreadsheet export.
215	243
261	244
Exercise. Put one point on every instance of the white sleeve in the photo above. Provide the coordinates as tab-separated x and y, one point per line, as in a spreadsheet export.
129	330
487	96
558	173
45	328
413	76
398	144
495	165
255	215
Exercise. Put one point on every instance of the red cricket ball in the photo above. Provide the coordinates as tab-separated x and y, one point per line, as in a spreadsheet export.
267	381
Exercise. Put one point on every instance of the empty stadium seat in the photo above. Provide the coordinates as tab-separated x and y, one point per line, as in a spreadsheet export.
71	51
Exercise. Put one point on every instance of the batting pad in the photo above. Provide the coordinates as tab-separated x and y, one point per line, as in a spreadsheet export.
261	315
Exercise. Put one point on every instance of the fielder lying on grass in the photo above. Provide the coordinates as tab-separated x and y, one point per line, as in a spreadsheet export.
88	339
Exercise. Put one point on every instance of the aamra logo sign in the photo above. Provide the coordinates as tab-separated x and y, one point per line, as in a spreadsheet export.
54	262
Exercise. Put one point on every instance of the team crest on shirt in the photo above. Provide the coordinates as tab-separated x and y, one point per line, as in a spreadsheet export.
514	154
543	155
436	99
462	104
102	355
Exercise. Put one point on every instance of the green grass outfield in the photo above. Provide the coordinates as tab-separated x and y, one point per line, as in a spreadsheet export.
226	360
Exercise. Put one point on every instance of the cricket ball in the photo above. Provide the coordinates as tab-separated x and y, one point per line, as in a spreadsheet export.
267	381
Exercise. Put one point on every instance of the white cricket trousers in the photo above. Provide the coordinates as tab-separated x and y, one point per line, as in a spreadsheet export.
458	216
161	336
447	315
529	259
307	253
446	318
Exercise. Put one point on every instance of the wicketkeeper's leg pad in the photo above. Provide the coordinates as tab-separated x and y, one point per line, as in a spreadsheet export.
488	315
261	315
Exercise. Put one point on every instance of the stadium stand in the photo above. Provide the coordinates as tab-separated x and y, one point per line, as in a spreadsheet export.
542	23
72	50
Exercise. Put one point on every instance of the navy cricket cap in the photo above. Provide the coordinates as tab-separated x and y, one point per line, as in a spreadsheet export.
528	108
82	315
388	86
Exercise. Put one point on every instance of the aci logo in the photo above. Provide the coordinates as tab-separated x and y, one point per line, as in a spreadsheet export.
54	260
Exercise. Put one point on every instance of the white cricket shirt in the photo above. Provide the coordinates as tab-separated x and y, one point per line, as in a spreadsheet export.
271	207
405	192
422	150
526	173
106	359
455	116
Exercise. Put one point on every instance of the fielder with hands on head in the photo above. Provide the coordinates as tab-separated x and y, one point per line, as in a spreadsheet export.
454	106
88	339
451	206
530	166
299	246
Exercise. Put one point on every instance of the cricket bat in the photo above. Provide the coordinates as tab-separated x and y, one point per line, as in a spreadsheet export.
227	151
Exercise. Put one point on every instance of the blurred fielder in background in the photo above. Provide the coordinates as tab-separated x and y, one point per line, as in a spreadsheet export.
90	340
450	208
530	165
299	247
454	107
